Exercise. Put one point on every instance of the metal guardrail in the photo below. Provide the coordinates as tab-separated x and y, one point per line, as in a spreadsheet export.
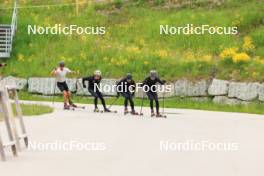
7	35
13	25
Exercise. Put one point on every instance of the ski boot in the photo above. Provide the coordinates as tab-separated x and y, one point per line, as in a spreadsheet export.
72	104
126	111
106	110
133	112
66	107
152	114
160	115
96	110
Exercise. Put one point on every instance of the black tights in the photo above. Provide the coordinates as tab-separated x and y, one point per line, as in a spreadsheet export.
128	98
97	95
153	96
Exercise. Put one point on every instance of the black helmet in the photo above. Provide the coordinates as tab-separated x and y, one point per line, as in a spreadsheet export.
129	76
153	73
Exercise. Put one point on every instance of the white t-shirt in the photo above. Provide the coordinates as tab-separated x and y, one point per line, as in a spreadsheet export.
61	74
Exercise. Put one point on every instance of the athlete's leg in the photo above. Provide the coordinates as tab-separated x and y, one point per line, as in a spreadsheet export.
150	96
100	96
94	94
155	95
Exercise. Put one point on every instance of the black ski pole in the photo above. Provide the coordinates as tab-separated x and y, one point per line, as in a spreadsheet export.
80	85
142	103
54	91
111	104
163	99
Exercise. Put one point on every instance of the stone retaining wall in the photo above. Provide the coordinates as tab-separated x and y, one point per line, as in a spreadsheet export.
221	91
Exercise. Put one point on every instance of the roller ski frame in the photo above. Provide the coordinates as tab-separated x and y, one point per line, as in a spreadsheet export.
153	115
102	111
98	111
161	116
110	111
68	108
77	107
133	114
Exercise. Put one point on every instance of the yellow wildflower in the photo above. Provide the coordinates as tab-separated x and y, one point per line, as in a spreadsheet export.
228	53
207	58
21	57
82	55
240	57
248	44
133	49
162	53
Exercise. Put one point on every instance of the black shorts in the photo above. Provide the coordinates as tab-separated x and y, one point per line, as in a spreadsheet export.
63	86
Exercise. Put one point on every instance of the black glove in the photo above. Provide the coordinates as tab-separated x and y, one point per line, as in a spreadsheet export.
163	81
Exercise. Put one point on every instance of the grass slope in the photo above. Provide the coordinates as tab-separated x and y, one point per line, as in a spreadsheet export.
31	110
133	44
176	102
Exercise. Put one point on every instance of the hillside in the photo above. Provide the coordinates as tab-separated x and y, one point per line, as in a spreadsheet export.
132	42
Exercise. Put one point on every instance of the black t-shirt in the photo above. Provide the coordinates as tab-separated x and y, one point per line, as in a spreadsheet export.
92	82
124	86
149	82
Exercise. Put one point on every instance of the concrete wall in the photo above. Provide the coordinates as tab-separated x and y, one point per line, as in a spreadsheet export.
222	91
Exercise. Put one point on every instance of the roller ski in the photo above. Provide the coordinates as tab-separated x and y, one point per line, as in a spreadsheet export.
153	114
126	112
160	116
132	112
67	107
109	111
96	110
76	107
136	113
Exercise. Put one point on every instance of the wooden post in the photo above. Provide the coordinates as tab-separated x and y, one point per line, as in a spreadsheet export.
10	126
9	117
2	153
20	117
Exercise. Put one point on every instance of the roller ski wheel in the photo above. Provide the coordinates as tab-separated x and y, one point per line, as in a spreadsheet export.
67	107
77	107
161	116
126	112
109	111
96	110
134	113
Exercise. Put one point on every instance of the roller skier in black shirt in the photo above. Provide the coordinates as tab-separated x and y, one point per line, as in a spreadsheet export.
126	88
93	88
151	92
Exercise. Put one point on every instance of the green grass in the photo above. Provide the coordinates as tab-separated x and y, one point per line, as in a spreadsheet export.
175	102
31	110
136	25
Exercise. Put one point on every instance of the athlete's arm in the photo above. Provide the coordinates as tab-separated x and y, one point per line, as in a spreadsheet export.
84	80
54	71
161	82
